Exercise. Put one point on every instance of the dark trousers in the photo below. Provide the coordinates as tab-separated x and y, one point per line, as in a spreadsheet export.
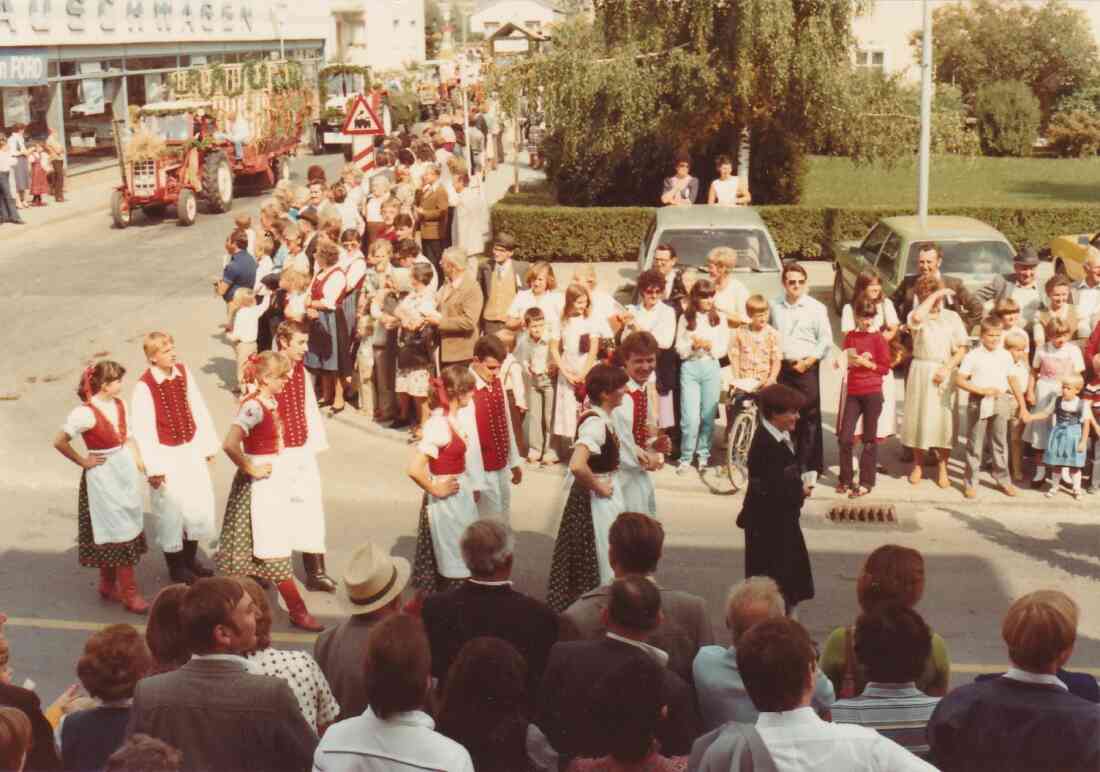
433	250
57	180
384	380
8	210
808	444
870	407
491	326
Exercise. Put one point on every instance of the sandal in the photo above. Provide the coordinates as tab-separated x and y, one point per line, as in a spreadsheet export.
333	412
859	492
841	488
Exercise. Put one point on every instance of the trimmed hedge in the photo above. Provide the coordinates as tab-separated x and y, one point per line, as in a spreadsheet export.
613	234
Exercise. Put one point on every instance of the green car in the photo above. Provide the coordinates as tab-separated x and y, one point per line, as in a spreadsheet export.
972	251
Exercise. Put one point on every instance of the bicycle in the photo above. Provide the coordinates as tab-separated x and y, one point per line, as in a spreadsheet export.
739	433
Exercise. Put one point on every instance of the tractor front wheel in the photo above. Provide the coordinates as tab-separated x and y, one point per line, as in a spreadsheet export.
120	210
217	181
187	207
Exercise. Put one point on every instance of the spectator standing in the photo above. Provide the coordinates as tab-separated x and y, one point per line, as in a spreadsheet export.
574	354
1069	418
636	543
702	338
532	354
218	713
805	337
370	592
8	205
681	189
890	575
869	286
240	272
1086	294
469	223
755	354
730	294
868	357
774	545
21	172
395	732
776	661
114	660
719	686
939	343
431	209
605	309
372	209
1025	719
1021	286
460	303
893	643
1053	361
55	152
1057	306
328	328
728	190
929	260
500	284
542	293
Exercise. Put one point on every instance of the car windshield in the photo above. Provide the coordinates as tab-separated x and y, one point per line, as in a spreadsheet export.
176	126
754	252
342	84
968	257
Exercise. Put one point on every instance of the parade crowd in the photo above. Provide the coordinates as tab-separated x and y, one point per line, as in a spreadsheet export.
28	171
368	290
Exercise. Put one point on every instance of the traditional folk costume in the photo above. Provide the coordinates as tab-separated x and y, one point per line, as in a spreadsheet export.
355	275
446	442
634	420
109	505
175	434
329	330
580	562
495	453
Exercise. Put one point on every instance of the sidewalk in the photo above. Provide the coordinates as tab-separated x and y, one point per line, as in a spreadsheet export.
84	194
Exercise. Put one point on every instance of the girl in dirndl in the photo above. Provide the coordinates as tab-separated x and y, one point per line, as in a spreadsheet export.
327	327
258	532
574	353
439	468
1069	419
110	516
354	266
580	562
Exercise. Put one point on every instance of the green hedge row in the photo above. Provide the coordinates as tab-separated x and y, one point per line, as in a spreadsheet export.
609	234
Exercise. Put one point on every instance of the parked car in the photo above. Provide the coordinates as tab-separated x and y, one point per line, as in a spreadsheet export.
693	231
1068	253
972	251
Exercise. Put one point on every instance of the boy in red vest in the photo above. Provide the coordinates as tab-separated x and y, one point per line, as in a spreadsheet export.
494	459
175	435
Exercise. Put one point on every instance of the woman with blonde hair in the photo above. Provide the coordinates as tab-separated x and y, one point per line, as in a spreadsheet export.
542	292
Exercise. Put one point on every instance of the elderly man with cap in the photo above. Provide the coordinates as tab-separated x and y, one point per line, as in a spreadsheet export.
369	592
500	283
1022	286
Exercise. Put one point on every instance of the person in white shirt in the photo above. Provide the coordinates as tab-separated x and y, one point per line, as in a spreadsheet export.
778	664
728	190
702	338
8	208
657	317
1086	294
606	312
532	354
240	132
641	446
395	732
244	328
542	293
730	295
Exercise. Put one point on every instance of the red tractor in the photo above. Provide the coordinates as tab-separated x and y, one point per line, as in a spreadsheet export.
176	157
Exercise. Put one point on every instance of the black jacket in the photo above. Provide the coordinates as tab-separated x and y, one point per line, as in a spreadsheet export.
43	756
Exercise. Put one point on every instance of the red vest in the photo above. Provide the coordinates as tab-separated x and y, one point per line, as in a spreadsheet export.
452	456
263	440
641	411
292	408
492	425
317	289
104	436
175	424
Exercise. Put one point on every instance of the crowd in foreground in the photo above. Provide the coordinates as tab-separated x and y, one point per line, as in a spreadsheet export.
629	677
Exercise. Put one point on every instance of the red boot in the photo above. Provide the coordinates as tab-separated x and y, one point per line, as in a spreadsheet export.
127	586
108	583
299	614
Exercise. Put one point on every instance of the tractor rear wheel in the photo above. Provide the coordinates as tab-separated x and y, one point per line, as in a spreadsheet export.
217	181
120	210
187	207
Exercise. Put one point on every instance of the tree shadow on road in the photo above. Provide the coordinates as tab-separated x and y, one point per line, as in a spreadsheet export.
224	368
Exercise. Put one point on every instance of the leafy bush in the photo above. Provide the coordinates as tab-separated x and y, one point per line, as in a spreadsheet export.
610	234
1074	135
1008	118
1085	99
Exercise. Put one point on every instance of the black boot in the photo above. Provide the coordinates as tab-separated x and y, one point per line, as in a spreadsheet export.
316	578
177	567
191	560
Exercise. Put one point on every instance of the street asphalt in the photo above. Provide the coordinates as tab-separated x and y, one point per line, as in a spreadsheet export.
76	288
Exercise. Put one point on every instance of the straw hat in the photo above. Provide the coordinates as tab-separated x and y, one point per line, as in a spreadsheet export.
372	579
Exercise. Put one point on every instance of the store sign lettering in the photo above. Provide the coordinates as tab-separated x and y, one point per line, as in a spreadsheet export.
135	15
75	11
187	16
107	15
40	15
21	16
246	15
162	15
7	15
22	67
206	15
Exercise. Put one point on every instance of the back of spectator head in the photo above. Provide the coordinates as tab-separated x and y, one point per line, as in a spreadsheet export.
635	544
634	606
777	661
893	643
751	602
1040	630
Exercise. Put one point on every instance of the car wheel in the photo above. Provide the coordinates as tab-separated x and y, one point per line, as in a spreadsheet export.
838	290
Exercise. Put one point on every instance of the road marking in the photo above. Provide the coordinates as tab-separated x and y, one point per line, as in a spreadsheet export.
91	627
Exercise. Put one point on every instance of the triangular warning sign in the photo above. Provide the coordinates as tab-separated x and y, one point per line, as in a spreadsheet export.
362	119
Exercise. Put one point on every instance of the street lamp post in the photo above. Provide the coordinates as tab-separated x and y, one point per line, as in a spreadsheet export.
925	113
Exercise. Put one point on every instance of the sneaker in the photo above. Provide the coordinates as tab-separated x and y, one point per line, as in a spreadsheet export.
683	468
970	492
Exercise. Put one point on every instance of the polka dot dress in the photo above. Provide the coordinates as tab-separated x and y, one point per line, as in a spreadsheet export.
574	569
426	576
95	555
304	676
235	544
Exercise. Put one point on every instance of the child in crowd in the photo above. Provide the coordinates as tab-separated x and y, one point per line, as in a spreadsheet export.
755	355
868	286
1068	418
110	514
378	300
868	356
533	356
1053	361
244	329
407	254
702	338
243	222
40	186
511	375
390	209
574	354
989	374
348	211
415	347
1007	311
1016	343
1058	307
296	283
265	265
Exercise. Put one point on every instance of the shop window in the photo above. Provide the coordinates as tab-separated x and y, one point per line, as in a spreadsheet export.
139	63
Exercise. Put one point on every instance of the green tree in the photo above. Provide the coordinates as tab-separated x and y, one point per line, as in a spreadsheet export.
1008	118
1049	47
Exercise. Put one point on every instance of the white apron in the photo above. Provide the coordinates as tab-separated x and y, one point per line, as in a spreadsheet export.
496	495
636	488
185	501
274	505
114	497
449	518
604	512
309	513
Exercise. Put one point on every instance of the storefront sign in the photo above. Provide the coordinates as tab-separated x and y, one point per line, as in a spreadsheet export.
22	66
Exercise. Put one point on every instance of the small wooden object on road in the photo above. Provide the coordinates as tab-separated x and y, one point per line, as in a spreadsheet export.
863	513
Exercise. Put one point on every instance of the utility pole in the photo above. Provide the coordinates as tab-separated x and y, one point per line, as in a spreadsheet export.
925	113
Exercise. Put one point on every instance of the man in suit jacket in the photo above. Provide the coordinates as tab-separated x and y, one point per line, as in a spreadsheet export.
929	259
567	695
213	710
486	604
500	282
636	542
460	303
1022	286
1025	719
432	205
308	222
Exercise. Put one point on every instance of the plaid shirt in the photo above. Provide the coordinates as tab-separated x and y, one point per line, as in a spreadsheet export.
753	354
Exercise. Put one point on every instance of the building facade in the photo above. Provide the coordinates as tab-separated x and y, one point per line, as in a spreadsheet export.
534	15
381	34
77	66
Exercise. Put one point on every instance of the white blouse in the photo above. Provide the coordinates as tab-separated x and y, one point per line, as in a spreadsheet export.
551	303
304	677
717	335
82	418
659	321
886	316
251	414
296	304
332	288
436	434
593	434
731	299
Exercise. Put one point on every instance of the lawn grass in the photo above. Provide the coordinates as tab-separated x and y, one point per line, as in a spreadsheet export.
955	181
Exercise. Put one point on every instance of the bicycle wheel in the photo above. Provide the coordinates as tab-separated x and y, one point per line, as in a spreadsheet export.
737	450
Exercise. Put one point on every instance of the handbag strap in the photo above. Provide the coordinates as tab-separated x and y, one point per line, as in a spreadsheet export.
848	682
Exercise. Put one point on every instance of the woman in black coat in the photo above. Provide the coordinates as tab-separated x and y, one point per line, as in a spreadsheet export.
773	502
